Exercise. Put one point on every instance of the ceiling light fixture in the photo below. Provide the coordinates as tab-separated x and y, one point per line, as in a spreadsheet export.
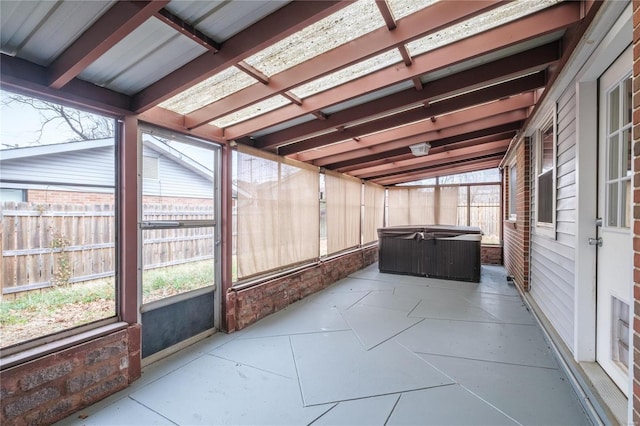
420	149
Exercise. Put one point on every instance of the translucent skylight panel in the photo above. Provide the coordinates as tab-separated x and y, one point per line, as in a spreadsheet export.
210	90
402	8
478	24
252	111
337	29
347	74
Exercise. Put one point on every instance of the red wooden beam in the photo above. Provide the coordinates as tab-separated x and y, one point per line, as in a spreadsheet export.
443	170
273	28
436	155
30	79
486	134
187	30
493	148
414	26
402	154
509	88
489	73
392	146
173	121
535	25
252	72
383	141
386	13
114	25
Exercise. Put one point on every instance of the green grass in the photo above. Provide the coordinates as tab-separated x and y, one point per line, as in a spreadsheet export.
157	283
49	300
180	278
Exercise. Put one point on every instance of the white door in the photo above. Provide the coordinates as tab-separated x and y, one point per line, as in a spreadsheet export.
614	264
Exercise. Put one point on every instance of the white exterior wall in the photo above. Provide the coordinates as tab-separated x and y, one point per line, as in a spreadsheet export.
89	167
553	253
562	263
175	180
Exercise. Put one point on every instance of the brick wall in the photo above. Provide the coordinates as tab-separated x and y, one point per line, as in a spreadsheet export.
516	233
244	307
491	255
50	388
636	211
38	196
152	199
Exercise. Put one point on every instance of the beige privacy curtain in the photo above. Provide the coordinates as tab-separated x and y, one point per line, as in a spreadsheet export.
418	206
373	211
398	202
421	202
411	206
448	205
343	211
277	214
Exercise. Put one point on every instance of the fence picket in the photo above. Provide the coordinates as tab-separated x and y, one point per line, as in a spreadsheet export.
87	235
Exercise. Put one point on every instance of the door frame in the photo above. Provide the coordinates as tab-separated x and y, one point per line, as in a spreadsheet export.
616	39
190	298
622	67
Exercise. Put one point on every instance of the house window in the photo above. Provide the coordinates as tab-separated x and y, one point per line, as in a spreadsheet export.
513	190
619	157
150	167
15	195
545	173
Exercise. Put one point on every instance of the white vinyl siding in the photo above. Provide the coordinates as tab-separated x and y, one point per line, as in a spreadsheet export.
175	180
89	167
552	259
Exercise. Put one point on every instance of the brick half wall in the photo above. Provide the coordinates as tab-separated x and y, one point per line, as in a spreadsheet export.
491	255
54	386
246	306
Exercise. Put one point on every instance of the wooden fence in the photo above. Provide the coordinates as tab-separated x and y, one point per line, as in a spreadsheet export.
45	245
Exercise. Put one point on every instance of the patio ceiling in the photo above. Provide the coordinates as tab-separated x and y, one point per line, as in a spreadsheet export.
344	85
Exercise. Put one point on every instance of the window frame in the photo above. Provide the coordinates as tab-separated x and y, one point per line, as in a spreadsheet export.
4	191
42	344
549	123
512	190
176	225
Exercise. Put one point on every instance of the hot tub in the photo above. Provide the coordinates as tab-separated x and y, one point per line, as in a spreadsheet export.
438	251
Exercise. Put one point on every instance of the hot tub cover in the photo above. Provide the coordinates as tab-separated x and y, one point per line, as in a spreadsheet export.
429	232
439	251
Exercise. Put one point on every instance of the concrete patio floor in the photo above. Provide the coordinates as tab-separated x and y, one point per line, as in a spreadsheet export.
371	349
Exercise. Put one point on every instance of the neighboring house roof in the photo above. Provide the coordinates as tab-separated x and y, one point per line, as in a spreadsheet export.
19	156
180	156
48	149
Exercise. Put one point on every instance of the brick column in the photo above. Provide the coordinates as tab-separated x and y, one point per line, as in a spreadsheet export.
636	211
517	233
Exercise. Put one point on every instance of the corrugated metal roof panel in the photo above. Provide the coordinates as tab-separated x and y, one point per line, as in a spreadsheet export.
39	31
493	56
285	125
149	53
369	97
221	20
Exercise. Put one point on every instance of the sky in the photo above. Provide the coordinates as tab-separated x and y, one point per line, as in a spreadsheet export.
19	125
